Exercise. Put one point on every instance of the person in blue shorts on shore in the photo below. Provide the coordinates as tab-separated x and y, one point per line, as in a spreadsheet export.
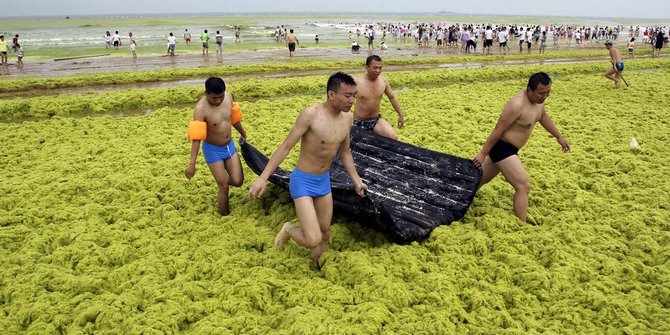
323	131
614	73
211	125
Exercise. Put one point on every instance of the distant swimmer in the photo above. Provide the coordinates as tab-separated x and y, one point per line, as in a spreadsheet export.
514	127
371	89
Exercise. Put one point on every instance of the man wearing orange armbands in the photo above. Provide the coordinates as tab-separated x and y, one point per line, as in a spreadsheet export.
211	125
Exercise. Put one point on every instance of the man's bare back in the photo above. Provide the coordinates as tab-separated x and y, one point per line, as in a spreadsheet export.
291	38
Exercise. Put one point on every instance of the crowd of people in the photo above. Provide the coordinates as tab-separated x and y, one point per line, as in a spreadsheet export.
466	37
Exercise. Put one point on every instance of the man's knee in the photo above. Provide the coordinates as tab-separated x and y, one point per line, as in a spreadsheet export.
312	240
523	186
236	181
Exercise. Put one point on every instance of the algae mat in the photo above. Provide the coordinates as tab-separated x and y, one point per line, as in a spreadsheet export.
101	233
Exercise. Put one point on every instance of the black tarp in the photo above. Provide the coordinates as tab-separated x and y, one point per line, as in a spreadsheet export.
411	190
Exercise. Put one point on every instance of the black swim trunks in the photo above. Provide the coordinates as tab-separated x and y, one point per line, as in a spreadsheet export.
502	150
368	125
291	46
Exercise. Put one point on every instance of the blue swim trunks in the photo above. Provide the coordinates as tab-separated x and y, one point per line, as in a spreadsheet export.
303	184
619	66
214	153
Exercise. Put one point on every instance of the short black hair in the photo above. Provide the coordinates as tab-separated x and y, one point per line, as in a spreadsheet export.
337	79
215	85
537	79
370	58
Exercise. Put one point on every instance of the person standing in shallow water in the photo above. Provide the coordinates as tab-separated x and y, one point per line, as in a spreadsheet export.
323	131
514	127
291	41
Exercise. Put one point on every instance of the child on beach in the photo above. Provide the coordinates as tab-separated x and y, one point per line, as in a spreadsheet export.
631	48
133	45
19	62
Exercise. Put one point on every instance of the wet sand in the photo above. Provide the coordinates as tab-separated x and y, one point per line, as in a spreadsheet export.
91	65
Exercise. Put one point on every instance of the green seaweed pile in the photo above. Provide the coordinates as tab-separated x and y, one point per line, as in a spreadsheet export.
100	232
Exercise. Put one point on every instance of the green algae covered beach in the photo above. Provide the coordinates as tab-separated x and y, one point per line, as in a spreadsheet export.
101	233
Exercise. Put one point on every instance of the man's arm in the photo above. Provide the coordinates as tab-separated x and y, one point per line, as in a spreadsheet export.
396	105
509	114
350	167
240	129
198	115
549	125
299	128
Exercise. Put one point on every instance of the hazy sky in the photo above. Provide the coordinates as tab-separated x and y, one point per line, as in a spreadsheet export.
589	8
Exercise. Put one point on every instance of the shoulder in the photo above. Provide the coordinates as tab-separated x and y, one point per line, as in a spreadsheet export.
517	102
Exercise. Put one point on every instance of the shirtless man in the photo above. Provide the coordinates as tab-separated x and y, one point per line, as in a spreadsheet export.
614	73
211	125
371	88
291	40
512	131
323	131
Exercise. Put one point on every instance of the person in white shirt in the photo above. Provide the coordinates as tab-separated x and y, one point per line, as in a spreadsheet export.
488	40
219	44
502	40
172	41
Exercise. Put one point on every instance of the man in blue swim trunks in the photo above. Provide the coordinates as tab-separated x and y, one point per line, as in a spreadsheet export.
211	125
512	131
614	73
323	131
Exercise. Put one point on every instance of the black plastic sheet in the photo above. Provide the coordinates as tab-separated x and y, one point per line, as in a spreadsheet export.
411	190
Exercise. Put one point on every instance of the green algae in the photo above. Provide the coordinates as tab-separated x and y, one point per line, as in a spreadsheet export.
101	233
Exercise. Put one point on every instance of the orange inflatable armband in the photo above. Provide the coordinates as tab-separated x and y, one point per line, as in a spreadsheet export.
197	130
236	114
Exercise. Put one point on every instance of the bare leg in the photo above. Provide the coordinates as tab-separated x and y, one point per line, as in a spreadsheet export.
222	181
324	213
490	171
610	74
513	170
384	128
309	233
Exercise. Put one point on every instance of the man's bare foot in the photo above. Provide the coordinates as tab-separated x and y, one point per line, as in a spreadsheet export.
283	235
